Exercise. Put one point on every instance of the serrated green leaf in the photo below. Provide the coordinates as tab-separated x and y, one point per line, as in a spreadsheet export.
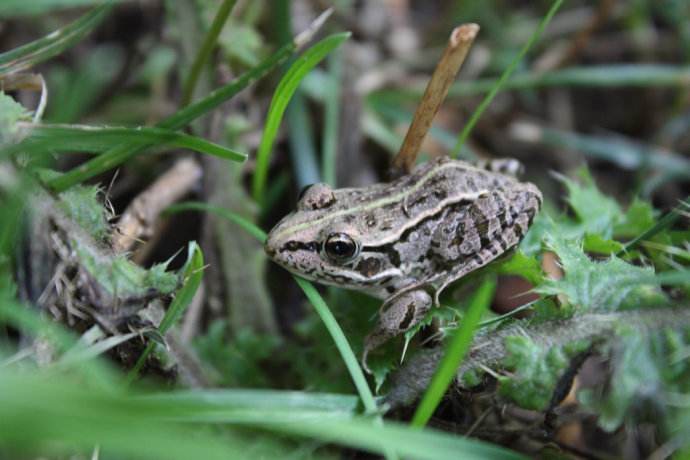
118	276
609	285
81	204
522	265
11	112
647	377
639	216
595	243
534	370
595	212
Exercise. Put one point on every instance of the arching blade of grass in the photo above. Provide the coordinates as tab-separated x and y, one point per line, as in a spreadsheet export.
52	44
341	343
201	403
401	440
193	273
286	88
80	138
669	219
204	52
457	349
57	415
504	77
117	155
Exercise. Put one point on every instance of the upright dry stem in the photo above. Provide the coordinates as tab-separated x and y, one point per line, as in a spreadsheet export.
459	44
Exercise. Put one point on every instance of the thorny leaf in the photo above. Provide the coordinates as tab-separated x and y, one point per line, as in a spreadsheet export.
534	370
609	285
11	112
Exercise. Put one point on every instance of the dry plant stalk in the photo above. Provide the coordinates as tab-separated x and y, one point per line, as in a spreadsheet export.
459	43
139	217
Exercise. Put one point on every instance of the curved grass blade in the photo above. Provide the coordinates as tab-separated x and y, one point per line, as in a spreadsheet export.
217	401
457	349
52	44
665	222
80	138
308	420
118	155
205	51
504	77
193	273
286	88
341	343
44	414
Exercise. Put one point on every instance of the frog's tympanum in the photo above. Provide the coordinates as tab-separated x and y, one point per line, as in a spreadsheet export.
406	240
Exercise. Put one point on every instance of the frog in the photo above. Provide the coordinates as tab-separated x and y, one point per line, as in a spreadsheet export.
406	240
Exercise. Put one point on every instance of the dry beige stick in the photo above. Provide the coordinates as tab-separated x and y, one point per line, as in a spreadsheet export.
459	44
138	220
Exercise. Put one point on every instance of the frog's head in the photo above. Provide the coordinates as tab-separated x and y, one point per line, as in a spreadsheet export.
321	241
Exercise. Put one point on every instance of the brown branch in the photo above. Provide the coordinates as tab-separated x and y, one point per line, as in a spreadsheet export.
139	217
459	44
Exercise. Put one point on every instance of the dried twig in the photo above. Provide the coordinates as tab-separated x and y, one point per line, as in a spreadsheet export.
139	217
459	43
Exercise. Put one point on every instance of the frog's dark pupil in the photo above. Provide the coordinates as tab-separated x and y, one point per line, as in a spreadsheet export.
340	246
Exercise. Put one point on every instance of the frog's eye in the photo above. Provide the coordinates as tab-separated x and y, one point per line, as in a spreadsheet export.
315	196
340	247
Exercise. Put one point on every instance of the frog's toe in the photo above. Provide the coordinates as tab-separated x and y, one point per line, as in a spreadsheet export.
400	315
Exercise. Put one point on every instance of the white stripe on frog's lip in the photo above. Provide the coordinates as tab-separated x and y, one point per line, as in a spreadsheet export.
352	276
391	199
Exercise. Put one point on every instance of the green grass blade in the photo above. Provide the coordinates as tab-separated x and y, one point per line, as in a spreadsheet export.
193	273
80	138
118	155
504	77
204	52
199	403
341	344
59	414
45	413
457	349
52	44
402	440
286	88
665	222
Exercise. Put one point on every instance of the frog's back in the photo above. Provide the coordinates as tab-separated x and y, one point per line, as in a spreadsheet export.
383	212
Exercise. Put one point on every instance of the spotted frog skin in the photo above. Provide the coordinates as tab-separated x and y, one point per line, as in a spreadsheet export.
406	240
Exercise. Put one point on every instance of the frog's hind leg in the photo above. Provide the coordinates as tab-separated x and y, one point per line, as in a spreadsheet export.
397	316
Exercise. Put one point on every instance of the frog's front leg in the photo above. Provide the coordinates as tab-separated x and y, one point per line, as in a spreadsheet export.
397	315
